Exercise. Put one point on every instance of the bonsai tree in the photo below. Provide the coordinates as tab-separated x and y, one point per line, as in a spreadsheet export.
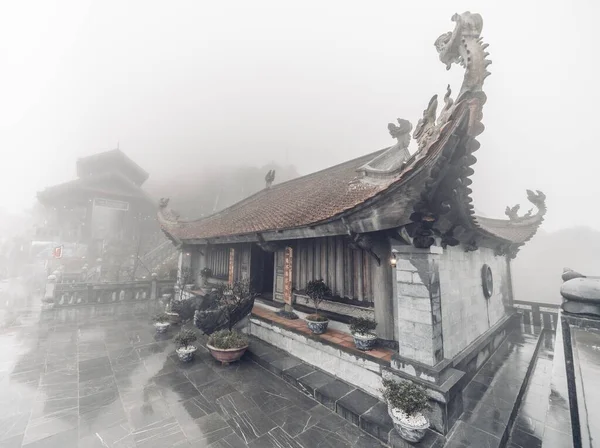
317	290
227	339
205	273
405	396
161	318
185	338
362	325
230	304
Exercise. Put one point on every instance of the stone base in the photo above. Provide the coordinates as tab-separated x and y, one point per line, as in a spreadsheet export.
356	370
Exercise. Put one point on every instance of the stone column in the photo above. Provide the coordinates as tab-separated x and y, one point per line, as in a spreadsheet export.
419	313
153	286
381	276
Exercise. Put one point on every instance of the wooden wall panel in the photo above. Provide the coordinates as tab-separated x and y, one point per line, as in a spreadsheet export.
345	270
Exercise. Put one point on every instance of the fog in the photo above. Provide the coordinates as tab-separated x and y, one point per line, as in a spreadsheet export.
187	85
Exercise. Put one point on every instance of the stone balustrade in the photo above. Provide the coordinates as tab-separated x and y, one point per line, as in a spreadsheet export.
74	294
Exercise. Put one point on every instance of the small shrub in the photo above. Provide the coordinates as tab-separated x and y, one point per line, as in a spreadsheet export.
317	290
161	318
406	396
206	273
185	338
362	325
226	339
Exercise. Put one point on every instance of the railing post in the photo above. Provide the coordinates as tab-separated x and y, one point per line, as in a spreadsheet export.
537	321
154	286
90	293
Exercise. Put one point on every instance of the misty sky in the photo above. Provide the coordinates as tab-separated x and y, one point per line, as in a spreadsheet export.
183	85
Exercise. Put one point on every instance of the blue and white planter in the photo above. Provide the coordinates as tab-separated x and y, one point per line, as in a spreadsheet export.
161	327
186	354
317	326
364	342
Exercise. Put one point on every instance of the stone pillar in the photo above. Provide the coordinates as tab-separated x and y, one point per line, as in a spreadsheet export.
153	286
381	276
419	313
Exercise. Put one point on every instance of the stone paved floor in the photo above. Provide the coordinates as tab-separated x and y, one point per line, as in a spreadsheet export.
100	377
528	428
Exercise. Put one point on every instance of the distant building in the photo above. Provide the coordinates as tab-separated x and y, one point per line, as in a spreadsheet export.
395	237
105	203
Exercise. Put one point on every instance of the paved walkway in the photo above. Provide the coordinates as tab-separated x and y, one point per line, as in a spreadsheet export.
100	377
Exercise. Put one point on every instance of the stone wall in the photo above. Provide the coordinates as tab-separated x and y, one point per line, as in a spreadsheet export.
418	312
440	307
466	313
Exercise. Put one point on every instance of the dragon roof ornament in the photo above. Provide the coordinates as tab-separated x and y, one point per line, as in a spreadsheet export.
463	46
537	198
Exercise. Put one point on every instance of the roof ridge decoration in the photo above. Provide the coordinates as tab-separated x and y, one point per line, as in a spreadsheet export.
393	159
537	198
269	178
168	218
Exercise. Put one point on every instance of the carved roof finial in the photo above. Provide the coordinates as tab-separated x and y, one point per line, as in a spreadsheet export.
166	211
464	46
269	178
401	132
425	128
512	212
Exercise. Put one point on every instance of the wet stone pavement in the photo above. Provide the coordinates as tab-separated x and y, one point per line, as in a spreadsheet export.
101	377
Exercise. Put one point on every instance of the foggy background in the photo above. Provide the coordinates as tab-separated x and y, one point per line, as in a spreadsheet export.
190	89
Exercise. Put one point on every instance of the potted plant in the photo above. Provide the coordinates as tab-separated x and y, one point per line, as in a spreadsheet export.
406	403
362	332
205	273
227	345
185	348
233	302
161	322
317	290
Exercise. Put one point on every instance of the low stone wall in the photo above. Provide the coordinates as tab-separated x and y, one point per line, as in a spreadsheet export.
360	372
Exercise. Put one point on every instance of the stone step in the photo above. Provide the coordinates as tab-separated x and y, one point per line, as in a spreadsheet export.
492	398
363	410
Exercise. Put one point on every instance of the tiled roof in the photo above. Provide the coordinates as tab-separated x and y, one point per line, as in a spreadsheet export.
515	231
297	203
325	195
112	184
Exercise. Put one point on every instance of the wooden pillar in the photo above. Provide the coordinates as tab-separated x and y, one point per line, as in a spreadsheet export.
381	280
288	260
231	265
339	267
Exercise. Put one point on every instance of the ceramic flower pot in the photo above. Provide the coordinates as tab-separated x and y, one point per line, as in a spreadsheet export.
161	327
186	354
227	355
412	429
317	326
364	342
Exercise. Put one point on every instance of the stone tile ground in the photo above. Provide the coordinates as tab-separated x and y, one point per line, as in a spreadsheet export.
101	377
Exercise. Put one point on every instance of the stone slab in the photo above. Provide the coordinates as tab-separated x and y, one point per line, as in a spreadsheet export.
331	392
355	404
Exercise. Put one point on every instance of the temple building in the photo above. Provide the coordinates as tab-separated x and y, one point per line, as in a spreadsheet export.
394	236
105	203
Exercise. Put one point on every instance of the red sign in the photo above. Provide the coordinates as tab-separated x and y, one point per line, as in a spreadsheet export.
231	265
287	275
57	252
